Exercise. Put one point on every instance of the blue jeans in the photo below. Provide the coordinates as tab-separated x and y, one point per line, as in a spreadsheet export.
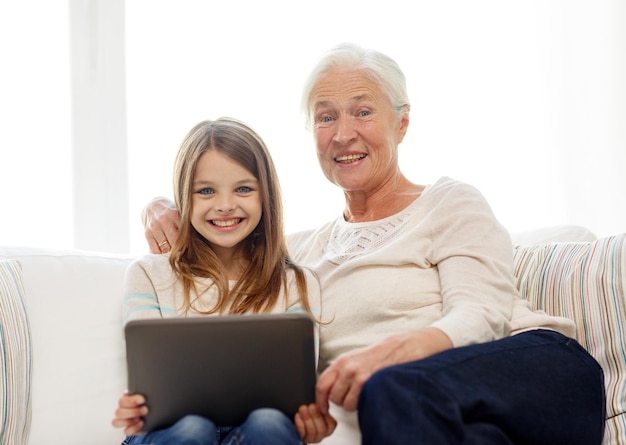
534	388
262	427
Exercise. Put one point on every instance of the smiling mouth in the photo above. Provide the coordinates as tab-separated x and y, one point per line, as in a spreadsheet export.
226	223
348	159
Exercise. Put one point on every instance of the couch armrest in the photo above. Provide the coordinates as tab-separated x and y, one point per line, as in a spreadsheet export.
586	282
553	234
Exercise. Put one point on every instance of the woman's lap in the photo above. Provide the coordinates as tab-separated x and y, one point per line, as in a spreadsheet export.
533	388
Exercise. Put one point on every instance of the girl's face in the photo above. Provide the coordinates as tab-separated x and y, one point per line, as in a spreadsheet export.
356	130
226	202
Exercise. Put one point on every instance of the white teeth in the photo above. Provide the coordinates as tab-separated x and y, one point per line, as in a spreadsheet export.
228	223
350	158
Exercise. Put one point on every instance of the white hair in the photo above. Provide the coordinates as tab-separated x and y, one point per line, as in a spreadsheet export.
377	66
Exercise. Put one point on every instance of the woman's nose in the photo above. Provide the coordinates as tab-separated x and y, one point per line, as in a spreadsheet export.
345	131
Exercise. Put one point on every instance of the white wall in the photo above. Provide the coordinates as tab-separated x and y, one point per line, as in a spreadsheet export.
526	100
35	132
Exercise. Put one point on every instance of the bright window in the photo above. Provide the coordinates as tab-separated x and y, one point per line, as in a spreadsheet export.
36	153
525	100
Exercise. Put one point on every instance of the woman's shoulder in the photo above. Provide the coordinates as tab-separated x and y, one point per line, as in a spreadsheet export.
302	241
446	184
450	191
304	236
309	275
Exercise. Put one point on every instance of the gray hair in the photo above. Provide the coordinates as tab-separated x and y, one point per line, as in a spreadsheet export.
377	66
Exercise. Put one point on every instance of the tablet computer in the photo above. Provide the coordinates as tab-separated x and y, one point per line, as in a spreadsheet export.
221	367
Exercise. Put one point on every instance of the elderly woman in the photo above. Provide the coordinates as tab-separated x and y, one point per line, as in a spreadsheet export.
427	340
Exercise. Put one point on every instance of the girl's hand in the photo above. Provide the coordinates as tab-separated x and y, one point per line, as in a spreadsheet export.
312	424
129	412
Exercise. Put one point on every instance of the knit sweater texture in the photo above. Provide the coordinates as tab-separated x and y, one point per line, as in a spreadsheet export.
153	290
444	261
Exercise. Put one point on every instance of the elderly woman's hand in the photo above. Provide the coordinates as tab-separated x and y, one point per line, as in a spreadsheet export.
161	222
342	381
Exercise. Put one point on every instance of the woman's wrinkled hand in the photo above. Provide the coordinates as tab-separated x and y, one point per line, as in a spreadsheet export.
312	424
161	222
342	381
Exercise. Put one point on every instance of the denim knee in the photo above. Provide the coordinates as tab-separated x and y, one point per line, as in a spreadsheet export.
268	419
190	430
265	426
194	430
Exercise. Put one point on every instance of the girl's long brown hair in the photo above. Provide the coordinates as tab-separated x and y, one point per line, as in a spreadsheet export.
191	257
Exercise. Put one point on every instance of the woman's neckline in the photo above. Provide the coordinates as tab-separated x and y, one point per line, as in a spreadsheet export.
406	205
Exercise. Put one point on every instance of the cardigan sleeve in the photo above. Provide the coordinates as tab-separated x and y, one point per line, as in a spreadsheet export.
474	257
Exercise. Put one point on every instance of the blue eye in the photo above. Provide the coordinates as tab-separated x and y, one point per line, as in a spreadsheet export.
364	113
244	189
206	191
327	119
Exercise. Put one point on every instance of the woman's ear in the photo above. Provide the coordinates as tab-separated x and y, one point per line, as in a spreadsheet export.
404	123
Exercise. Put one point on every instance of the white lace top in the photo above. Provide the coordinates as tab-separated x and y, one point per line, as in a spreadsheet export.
443	261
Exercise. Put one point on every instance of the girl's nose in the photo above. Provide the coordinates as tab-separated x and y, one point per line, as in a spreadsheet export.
225	204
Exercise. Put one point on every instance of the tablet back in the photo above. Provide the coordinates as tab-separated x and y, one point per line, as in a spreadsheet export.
221	367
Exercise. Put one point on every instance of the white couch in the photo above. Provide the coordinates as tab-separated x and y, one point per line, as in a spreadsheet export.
62	356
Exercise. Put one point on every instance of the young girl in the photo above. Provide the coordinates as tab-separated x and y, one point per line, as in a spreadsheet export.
230	258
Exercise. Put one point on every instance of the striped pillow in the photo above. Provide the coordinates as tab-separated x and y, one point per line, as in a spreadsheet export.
15	357
585	281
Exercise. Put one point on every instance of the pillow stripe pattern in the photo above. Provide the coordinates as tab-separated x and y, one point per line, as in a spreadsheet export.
15	357
586	282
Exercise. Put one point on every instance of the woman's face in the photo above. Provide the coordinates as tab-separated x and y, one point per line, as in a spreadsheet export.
356	131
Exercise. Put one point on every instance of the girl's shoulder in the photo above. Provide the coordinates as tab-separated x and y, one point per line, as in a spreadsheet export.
155	266
151	261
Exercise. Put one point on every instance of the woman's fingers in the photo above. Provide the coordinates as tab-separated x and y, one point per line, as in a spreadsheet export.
161	222
342	381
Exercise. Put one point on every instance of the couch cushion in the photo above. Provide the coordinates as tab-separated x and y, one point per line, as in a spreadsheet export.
74	304
15	357
585	281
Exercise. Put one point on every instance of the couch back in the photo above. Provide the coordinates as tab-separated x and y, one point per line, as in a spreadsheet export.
72	301
74	308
